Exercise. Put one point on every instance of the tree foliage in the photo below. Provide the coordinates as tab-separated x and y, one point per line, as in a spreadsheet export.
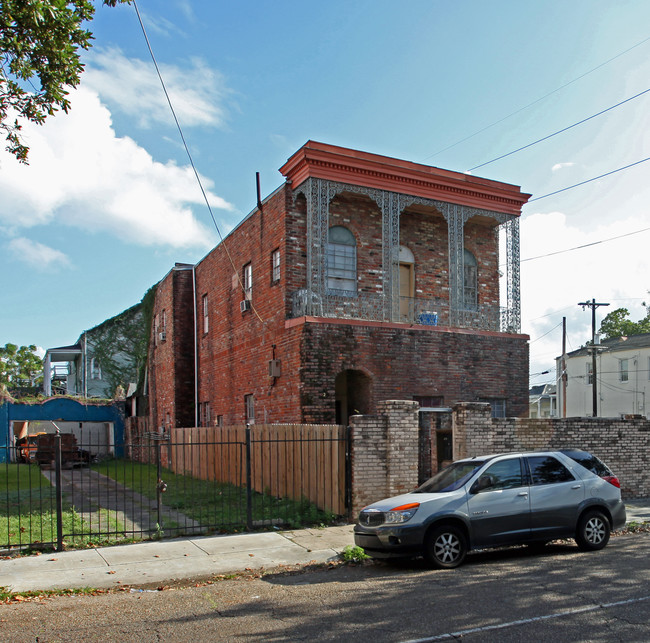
40	43
618	324
20	366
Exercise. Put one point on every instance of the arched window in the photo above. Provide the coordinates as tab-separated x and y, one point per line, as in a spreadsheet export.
341	259
470	281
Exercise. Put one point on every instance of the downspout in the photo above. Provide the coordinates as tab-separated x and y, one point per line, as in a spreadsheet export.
196	353
85	369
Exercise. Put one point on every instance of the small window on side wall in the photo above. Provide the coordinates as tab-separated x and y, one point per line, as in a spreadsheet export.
249	403
275	266
206	318
498	405
248	280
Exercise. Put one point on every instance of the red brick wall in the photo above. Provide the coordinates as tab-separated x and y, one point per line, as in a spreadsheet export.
403	363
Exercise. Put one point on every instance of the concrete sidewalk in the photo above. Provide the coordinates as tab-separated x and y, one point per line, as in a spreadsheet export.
156	562
152	562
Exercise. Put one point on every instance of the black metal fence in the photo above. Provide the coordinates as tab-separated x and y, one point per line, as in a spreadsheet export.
66	491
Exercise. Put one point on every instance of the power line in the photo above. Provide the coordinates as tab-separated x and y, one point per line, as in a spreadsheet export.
565	129
586	245
521	109
189	155
595	178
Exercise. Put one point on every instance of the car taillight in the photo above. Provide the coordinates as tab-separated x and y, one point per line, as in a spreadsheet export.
612	480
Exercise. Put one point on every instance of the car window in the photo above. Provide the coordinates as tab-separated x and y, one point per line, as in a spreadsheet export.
548	470
590	462
505	474
451	478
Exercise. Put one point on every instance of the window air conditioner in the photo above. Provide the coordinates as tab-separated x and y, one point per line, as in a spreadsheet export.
274	368
245	305
162	336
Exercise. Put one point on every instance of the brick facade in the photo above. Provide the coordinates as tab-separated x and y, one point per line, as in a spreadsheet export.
341	363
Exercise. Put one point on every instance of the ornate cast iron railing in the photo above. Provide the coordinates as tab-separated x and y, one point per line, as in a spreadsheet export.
408	310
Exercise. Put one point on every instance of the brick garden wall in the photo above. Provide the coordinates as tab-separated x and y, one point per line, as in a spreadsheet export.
623	444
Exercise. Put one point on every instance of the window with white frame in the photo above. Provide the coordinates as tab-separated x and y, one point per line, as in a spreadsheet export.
206	318
95	369
248	280
249	403
275	265
341	259
623	373
590	374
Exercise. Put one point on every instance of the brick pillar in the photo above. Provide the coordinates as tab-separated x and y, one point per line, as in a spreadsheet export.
471	429
384	452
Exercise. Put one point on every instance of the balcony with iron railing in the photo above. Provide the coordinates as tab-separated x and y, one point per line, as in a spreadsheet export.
407	310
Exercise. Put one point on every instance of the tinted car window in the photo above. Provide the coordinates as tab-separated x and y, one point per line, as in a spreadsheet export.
451	478
590	462
548	470
504	475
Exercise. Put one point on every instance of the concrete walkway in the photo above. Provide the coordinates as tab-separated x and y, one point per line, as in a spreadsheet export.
144	565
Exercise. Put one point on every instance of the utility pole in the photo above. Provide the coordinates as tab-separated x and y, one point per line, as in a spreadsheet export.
563	367
594	390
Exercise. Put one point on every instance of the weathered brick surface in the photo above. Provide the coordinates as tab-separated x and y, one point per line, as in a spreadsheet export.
384	452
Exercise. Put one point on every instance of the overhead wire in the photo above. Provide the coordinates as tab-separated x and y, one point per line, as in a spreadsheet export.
538	100
189	155
595	178
561	131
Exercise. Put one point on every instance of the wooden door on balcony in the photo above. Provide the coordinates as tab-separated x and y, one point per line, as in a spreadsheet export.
406	289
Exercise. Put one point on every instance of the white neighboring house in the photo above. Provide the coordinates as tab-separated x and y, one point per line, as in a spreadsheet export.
622	378
542	401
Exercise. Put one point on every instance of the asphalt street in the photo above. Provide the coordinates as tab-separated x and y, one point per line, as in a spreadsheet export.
561	594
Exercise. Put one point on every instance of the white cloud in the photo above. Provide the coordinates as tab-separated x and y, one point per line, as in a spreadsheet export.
82	174
615	271
560	166
37	255
197	92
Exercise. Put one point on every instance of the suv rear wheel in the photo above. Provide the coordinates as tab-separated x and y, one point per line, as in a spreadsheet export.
445	547
593	531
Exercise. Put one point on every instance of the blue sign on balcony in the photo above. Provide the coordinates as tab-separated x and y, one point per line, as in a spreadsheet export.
429	318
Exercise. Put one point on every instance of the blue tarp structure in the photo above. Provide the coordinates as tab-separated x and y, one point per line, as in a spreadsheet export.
60	409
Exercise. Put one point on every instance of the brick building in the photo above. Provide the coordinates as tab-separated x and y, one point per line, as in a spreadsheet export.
362	278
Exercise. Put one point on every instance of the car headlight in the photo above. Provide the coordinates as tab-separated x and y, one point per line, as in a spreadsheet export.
402	513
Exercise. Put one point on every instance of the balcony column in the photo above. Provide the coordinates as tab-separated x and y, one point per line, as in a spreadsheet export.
390	213
456	216
513	281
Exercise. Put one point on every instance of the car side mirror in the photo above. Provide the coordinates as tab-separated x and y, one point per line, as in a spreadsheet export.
483	483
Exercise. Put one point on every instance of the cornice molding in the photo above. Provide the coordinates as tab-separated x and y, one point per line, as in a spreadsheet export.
319	160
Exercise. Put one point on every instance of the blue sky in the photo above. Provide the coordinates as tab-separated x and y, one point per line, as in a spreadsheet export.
109	202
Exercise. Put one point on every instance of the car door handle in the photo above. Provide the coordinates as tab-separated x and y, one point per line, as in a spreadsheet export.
576	486
522	493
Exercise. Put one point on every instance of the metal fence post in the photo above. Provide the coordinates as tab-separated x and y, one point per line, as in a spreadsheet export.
249	490
59	490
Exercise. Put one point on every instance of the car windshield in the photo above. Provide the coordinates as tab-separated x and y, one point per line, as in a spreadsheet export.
451	478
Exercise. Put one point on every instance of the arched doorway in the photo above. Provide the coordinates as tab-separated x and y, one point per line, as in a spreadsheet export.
353	394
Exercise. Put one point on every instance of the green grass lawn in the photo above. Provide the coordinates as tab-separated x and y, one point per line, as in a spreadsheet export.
212	503
28	513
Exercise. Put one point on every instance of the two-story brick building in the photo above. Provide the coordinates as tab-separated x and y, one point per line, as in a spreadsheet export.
362	278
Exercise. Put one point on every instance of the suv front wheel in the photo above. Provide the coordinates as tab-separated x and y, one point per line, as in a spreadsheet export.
445	547
593	531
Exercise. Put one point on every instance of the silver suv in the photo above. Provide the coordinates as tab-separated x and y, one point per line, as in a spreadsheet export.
497	500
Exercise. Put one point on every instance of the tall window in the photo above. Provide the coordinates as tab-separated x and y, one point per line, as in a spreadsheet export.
248	280
206	319
95	369
590	373
470	281
249	402
341	259
275	265
623	373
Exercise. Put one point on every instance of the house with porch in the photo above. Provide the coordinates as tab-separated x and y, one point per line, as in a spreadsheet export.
362	278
